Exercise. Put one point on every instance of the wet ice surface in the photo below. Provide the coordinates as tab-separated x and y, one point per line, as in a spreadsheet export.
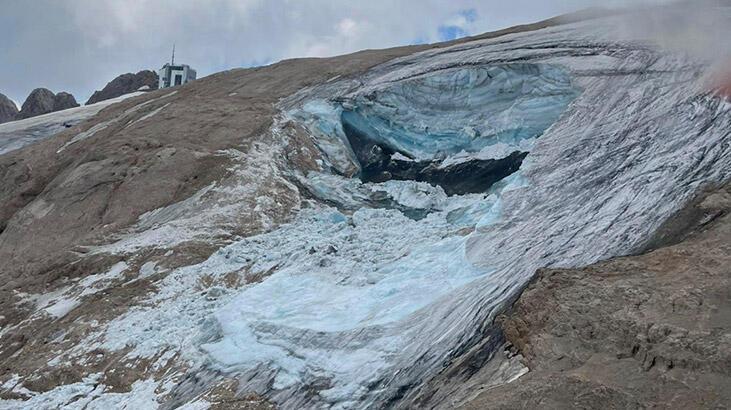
373	287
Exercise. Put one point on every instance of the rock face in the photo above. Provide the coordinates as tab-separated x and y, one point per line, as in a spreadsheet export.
42	101
63	101
8	110
648	331
124	84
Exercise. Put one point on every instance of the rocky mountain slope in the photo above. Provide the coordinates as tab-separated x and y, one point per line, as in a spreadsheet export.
648	331
8	110
344	232
43	101
644	331
125	84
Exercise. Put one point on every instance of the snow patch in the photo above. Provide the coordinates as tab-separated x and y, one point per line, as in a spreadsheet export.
89	394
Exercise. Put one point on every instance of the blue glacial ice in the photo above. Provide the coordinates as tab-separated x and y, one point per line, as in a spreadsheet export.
463	109
346	285
343	286
454	115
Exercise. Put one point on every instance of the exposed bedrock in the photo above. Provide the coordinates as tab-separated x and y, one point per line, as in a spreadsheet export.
646	331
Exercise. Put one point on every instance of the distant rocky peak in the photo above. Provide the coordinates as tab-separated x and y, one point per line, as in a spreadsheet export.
125	84
64	100
42	101
8	109
39	101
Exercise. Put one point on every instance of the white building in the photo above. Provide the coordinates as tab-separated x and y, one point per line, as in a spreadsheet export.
172	75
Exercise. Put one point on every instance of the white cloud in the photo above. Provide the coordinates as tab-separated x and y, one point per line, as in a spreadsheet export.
347	27
89	42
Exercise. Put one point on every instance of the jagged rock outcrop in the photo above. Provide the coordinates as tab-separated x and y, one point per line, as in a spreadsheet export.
125	84
8	110
42	101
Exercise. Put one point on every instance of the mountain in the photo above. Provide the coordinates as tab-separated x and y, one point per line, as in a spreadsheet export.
8	110
42	101
536	215
125	84
64	101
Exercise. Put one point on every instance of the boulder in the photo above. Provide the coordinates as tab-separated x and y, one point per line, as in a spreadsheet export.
8	110
124	84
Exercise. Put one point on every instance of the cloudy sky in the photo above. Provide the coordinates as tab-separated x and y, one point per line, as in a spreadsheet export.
80	45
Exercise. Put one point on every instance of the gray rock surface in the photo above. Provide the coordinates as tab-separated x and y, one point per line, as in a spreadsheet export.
42	101
63	101
124	84
8	110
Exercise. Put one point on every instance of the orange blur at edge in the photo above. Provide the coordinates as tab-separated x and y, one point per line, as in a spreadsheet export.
722	82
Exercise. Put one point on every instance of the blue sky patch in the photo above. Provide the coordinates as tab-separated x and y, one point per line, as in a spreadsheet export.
457	28
447	33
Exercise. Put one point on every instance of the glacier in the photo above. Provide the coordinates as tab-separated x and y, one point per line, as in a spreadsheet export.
374	286
620	135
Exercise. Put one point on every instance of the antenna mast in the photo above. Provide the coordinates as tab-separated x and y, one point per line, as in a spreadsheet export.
172	61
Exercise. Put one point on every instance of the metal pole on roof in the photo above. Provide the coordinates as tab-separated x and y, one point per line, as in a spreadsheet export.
172	61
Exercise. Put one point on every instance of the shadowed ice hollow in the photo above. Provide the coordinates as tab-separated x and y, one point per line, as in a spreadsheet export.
462	109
